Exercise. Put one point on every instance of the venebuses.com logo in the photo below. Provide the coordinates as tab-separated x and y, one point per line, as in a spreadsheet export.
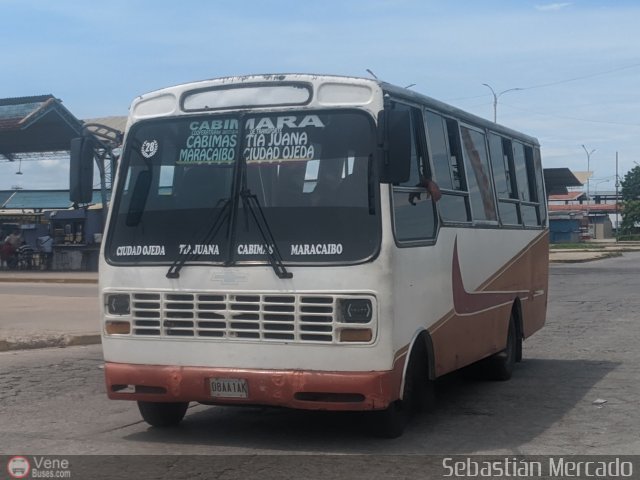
38	467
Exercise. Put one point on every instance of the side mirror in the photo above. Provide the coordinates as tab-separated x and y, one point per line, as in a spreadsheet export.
81	169
394	130
139	198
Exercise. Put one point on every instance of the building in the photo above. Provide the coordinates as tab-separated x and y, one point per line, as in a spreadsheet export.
574	217
75	233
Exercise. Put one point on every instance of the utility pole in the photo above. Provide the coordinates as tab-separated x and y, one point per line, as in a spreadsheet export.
617	185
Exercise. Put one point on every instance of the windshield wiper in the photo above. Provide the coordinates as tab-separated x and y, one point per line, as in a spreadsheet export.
176	266
250	202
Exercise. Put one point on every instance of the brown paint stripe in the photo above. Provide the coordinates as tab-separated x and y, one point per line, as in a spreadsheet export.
513	260
451	314
469	303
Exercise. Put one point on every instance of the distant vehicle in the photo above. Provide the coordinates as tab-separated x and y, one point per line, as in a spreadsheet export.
270	242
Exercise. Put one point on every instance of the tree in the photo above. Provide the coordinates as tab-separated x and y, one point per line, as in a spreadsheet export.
630	201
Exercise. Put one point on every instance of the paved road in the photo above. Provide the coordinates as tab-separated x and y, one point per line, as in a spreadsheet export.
36	313
77	290
52	401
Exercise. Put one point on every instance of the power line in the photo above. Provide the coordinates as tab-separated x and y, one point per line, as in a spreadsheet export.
606	72
483	104
464	98
560	82
572	118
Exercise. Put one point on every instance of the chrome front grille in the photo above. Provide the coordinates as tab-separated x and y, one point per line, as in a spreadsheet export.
261	317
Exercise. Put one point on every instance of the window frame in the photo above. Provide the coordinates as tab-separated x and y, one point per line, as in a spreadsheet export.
452	124
484	133
448	121
506	148
419	136
532	186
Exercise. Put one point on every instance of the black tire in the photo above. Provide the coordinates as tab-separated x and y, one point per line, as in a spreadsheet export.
418	395
518	345
163	415
390	422
500	366
423	394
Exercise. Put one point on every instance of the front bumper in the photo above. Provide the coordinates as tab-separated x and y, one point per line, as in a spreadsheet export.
310	390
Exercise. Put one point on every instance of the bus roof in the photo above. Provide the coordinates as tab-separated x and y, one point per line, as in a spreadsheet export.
394	90
455	112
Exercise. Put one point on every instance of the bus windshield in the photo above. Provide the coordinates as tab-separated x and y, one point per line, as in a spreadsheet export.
182	181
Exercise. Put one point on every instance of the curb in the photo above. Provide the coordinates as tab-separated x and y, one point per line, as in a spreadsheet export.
61	341
47	280
584	260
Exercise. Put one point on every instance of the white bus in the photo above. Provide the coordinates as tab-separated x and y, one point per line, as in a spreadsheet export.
269	243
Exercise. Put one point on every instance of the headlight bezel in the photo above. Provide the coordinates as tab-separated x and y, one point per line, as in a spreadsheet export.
355	310
117	304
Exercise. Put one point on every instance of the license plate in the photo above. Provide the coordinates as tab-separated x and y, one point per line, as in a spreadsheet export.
229	387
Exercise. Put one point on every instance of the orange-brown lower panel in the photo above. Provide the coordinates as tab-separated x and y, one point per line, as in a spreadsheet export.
310	390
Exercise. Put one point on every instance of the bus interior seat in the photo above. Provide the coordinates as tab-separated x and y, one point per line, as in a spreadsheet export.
203	186
291	186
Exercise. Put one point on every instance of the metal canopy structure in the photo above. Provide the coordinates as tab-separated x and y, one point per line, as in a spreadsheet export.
558	179
40	127
32	126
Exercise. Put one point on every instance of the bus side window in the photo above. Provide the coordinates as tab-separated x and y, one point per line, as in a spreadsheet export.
414	213
439	151
446	155
455	150
478	174
501	154
542	197
525	176
521	172
416	151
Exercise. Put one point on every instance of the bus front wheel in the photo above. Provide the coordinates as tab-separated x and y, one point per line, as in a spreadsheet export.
163	415
390	422
418	395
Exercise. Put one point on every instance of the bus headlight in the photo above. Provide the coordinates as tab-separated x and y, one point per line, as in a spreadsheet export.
118	303
356	310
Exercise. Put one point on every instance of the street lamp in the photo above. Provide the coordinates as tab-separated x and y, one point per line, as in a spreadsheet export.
495	99
588	168
588	177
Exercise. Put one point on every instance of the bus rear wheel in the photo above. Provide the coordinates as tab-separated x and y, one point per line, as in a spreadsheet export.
500	366
163	415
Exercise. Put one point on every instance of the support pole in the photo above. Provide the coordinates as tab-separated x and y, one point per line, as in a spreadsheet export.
617	185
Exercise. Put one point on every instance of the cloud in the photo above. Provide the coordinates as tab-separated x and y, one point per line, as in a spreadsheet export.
551	7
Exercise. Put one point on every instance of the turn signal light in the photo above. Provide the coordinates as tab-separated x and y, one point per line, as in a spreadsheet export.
356	335
117	327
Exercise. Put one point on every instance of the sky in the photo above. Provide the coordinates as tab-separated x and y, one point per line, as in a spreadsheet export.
576	63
